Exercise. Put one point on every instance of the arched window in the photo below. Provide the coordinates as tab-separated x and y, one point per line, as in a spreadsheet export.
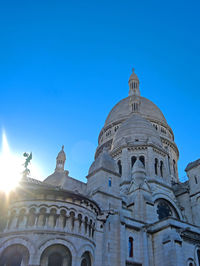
31	217
86	224
174	167
56	255
55	259
72	218
164	209
42	217
109	182
156	166
14	260
15	255
190	262
198	256
63	218
21	217
119	167
133	160
161	168
85	259
142	159
130	247
195	178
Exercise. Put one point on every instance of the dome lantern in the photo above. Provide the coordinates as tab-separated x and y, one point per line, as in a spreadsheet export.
60	160
134	84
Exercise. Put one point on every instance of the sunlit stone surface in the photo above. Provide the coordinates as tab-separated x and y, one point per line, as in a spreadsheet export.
133	210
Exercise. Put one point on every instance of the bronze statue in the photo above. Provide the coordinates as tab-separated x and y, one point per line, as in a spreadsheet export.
28	157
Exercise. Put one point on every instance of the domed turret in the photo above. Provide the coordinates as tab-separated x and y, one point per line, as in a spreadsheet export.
136	130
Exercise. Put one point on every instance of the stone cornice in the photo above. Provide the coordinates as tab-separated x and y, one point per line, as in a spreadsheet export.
103	169
24	192
139	146
20	233
171	144
172	223
106	193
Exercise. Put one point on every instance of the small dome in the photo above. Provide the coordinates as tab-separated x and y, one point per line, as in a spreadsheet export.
61	155
136	130
104	160
133	76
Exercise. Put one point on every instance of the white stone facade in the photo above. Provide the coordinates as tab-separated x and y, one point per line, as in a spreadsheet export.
132	211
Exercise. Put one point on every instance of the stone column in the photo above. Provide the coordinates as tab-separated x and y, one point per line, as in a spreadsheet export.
145	248
150	162
126	173
122	241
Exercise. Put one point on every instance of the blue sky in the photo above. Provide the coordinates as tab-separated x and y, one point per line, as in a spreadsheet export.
65	64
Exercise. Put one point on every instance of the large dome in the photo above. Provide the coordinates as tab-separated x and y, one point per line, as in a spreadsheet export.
134	130
148	110
134	104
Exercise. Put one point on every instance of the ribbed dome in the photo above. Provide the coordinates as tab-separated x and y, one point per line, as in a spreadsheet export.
104	160
136	130
147	109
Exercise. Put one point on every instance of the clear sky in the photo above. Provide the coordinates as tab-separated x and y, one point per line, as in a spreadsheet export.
65	64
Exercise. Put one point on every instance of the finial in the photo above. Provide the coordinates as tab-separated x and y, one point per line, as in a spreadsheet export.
63	147
133	69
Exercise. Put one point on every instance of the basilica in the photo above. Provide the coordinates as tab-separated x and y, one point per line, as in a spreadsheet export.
133	210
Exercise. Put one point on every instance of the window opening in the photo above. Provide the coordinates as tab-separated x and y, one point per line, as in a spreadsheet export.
130	247
120	167
156	166
161	168
14	260
198	255
55	259
142	159
174	167
133	160
163	210
86	260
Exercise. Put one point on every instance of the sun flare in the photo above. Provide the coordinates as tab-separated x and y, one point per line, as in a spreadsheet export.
11	167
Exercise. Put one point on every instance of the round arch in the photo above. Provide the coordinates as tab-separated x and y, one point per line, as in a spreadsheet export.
18	241
197	255
15	254
86	259
87	248
190	262
52	242
161	196
56	254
